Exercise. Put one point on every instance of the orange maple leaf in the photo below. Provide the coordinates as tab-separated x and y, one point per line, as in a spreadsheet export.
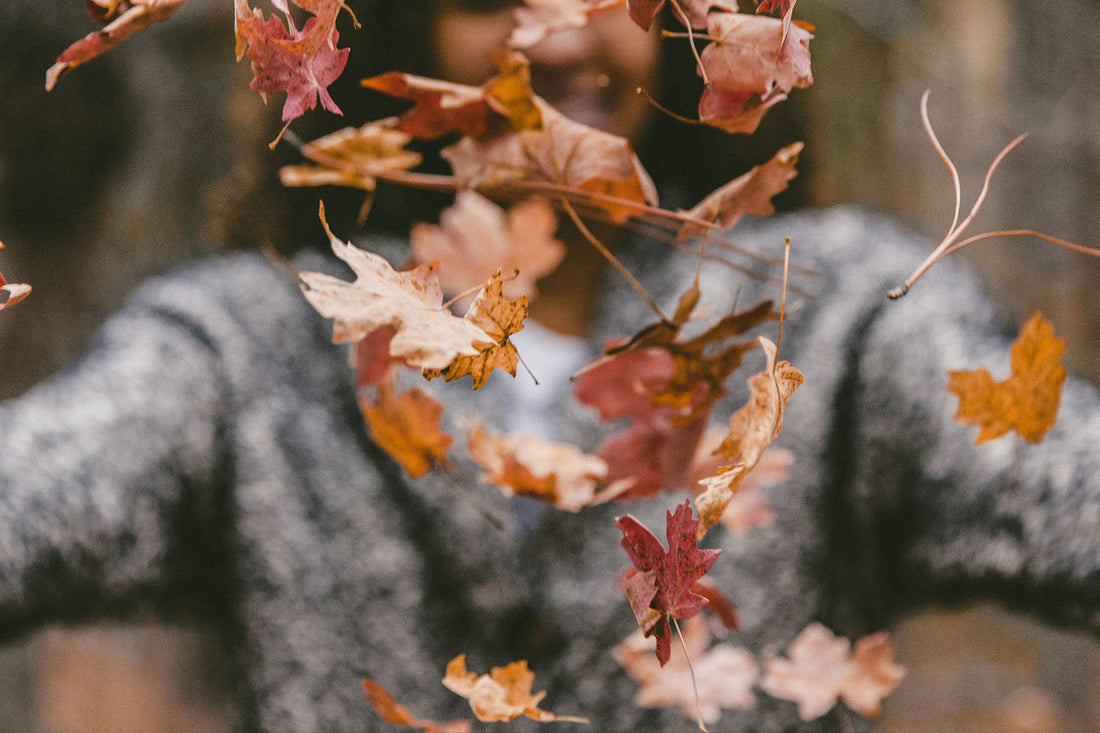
498	317
752	428
1027	401
407	428
503	694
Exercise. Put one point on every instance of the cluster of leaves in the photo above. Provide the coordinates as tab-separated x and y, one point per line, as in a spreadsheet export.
512	146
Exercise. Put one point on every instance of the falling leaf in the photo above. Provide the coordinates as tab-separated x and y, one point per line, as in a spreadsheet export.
371	360
509	92
428	335
497	317
475	237
718	603
134	15
750	193
407	428
725	674
393	712
820	670
752	428
1027	401
12	292
301	63
503	694
537	19
662	587
439	106
667	386
352	157
748	71
523	464
785	8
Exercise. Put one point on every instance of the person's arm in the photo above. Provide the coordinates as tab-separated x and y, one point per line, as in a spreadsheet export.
942	517
108	472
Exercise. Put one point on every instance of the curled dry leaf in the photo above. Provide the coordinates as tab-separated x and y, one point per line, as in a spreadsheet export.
407	428
1027	401
497	317
302	63
393	712
427	334
352	157
527	465
663	586
475	237
11	293
750	193
749	71
123	18
503	694
820	670
752	428
725	674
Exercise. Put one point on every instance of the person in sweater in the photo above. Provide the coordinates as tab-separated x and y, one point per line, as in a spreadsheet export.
208	453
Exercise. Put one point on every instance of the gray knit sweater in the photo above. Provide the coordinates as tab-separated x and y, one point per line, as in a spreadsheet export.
208	455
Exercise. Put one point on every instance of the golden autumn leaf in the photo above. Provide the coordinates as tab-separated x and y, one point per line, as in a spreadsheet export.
407	428
503	694
427	334
1027	401
527	465
752	428
392	711
352	157
498	317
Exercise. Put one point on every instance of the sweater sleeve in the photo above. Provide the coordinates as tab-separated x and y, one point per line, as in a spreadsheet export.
939	516
107	471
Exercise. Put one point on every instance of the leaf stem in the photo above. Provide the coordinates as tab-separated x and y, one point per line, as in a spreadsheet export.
691	669
612	259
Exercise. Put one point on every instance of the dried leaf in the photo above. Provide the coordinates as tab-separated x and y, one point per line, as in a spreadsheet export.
134	15
725	673
371	360
497	317
752	428
750	193
439	106
785	8
820	670
428	335
503	694
352	157
1027	401
301	63
537	19
476	237
523	464
11	293
393	712
662	587
748	69
407	428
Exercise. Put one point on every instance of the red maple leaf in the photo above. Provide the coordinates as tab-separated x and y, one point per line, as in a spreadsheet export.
301	63
662	586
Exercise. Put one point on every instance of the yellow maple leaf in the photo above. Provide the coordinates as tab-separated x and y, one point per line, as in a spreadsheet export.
1027	401
503	694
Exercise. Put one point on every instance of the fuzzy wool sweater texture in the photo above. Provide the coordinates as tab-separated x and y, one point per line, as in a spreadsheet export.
207	456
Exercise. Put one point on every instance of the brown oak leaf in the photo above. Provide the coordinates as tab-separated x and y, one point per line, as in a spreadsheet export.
393	712
407	428
428	335
1027	401
497	317
752	428
122	18
523	464
663	586
748	70
475	237
352	157
750	193
725	674
820	669
503	694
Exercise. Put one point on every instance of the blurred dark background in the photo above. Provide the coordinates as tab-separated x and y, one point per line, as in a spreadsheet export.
156	153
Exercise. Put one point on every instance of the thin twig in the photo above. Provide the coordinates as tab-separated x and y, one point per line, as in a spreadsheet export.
691	669
783	296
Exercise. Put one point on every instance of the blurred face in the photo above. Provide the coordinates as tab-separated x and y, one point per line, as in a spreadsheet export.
589	74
